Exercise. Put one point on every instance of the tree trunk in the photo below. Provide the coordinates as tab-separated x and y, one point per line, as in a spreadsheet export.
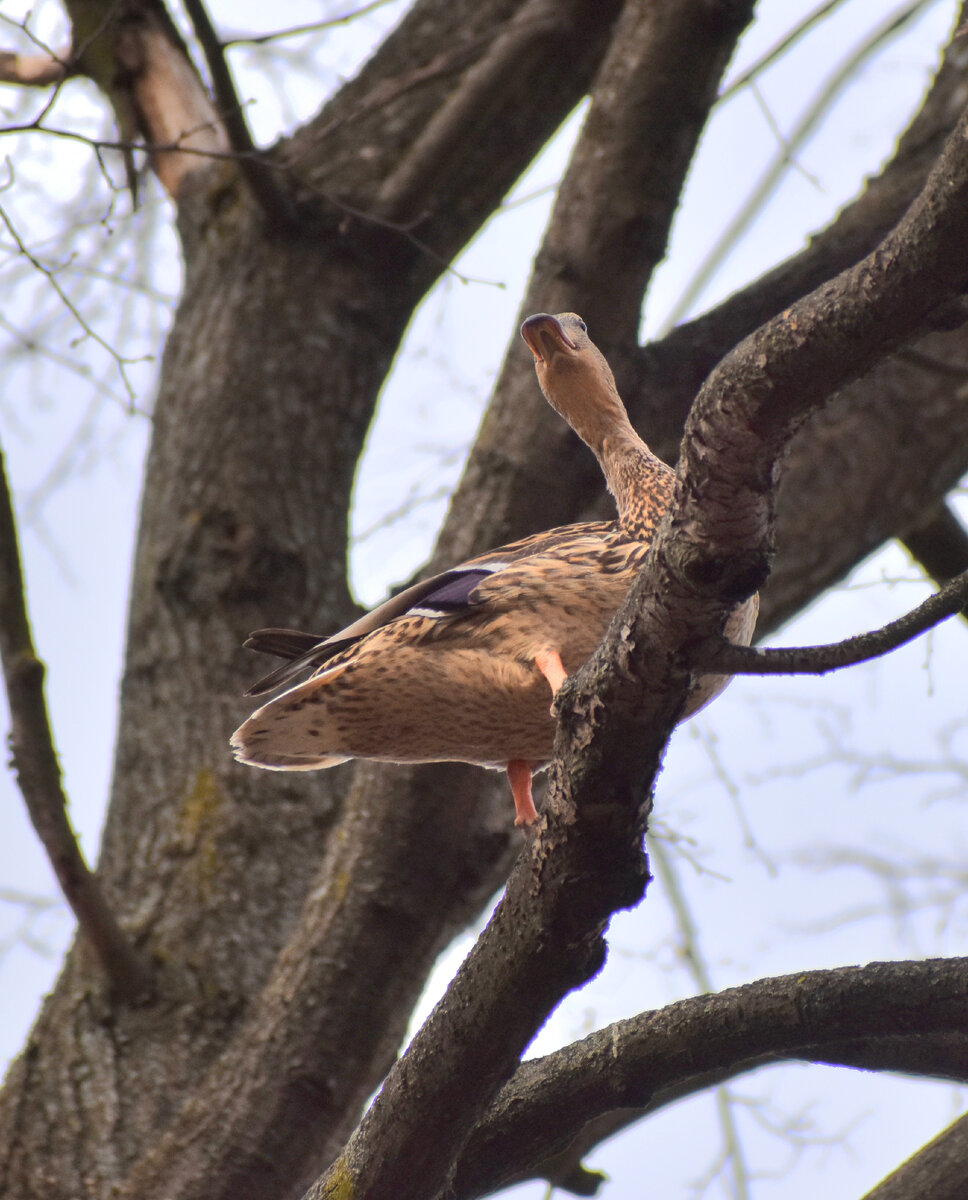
292	919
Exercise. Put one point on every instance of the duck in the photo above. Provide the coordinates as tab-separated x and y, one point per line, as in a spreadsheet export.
464	666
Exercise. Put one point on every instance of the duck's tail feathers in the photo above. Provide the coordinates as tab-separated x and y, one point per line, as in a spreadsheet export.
305	650
294	732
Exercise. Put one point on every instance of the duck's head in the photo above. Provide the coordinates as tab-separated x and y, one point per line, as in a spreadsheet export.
574	376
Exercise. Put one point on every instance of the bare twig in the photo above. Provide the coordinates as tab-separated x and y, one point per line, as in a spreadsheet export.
313	26
255	170
121	362
818	660
778	49
39	776
804	128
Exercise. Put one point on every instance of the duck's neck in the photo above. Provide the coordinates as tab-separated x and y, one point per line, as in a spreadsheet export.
641	483
587	398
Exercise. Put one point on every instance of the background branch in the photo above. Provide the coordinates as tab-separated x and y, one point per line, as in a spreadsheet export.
32	70
255	167
939	1170
38	774
939	544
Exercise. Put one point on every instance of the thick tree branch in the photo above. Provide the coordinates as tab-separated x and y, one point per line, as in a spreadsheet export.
729	659
939	544
134	54
939	1170
656	1058
764	388
926	1056
38	774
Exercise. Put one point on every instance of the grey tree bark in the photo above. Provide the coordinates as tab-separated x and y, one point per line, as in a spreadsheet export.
291	921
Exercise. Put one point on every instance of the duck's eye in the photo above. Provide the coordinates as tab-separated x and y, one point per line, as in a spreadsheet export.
582	326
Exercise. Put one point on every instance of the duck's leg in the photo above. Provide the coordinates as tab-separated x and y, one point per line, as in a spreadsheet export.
549	664
519	777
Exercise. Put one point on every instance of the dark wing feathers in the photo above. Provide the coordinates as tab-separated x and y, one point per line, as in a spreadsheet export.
443	594
302	659
454	590
283	643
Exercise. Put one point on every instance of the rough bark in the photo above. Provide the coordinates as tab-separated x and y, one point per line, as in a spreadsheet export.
284	985
281	343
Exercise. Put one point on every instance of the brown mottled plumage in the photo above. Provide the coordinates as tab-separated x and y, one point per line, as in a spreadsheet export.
463	667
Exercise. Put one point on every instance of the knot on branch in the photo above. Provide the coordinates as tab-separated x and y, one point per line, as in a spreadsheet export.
26	671
731	578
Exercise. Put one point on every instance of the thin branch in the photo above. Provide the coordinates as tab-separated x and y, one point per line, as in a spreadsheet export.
730	659
789	39
39	776
828	93
313	26
255	170
121	362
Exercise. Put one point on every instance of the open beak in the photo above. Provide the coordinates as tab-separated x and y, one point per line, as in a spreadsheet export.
545	334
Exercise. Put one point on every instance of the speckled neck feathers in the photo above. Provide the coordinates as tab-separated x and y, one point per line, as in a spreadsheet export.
579	385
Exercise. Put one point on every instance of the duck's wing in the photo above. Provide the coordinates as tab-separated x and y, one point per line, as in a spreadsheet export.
460	591
432	597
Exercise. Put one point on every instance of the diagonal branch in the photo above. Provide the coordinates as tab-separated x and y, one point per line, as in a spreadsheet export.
254	166
39	776
730	659
939	544
635	1067
938	1170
